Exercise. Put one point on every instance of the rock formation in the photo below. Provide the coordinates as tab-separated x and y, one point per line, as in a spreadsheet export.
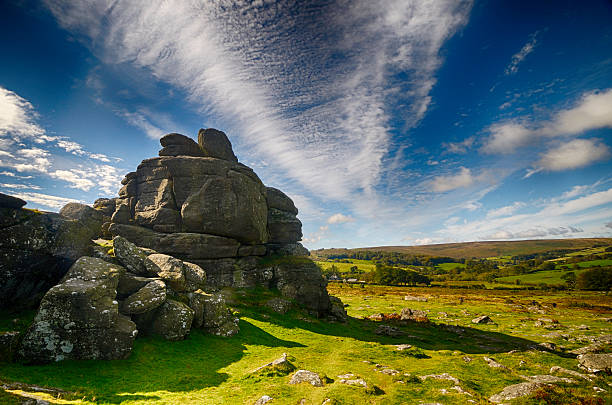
197	203
37	248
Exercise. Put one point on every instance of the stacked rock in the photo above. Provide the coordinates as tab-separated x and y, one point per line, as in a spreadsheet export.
197	203
99	307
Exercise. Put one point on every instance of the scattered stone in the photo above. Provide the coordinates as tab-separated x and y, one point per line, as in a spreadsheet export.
592	348
597	389
595	363
583	327
443	376
415	298
280	366
492	363
387	330
376	317
467	359
515	391
548	379
561	370
389	371
414	315
403	347
360	382
305	376
279	305
547	346
263	400
484	319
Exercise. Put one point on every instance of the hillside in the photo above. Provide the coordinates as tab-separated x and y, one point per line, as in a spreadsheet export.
480	249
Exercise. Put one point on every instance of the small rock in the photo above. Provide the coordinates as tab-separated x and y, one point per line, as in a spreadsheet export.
414	315
561	370
263	400
280	366
548	379
595	363
515	391
356	382
492	363
483	320
467	359
403	347
389	371
443	376
592	348
414	298
583	327
597	389
305	376
548	346
149	297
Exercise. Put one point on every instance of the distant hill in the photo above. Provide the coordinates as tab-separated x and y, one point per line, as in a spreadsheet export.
480	249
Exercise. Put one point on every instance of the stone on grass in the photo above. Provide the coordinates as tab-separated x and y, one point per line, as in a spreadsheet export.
358	382
494	364
195	277
483	320
561	370
212	314
443	376
305	376
263	400
337	310
595	363
515	391
280	366
403	347
79	318
414	315
548	379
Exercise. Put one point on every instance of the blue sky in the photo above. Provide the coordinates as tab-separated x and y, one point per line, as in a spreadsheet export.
389	123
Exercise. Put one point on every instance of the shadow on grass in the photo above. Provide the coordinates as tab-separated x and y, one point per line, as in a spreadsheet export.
155	365
428	336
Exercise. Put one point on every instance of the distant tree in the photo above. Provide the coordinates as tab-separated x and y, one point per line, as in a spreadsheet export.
570	279
599	279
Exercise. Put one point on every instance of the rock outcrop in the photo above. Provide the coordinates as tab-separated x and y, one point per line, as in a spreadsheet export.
37	248
197	203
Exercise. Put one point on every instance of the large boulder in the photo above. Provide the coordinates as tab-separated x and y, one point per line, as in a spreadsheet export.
216	144
36	250
168	268
172	320
8	201
179	145
86	216
279	200
284	227
146	299
79	318
131	256
212	314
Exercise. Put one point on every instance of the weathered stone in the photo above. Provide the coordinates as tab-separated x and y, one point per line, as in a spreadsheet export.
443	376
305	376
264	399
595	363
414	315
179	145
172	320
515	391
484	319
287	249
195	277
337	309
106	206
8	201
87	217
251	250
123	212
216	316
168	268
280	366
130	283
561	370
149	297
279	200
216	144
284	227
279	305
494	364
36	250
79	318
131	256
548	379
184	246
232	206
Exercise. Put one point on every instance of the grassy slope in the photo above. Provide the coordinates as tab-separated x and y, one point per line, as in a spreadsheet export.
211	370
483	249
364	265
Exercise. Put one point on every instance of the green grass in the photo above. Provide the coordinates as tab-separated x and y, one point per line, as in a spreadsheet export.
365	266
551	277
587	264
212	370
450	266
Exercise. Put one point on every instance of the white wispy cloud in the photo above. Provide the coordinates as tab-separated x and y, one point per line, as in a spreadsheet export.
242	62
340	219
459	147
462	179
507	210
518	57
574	154
27	148
46	200
592	111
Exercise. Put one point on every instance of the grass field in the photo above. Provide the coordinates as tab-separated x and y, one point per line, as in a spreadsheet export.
363	265
587	264
211	370
551	277
450	266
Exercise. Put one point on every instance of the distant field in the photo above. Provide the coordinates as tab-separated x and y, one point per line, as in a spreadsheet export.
548	277
482	249
346	267
587	264
450	266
